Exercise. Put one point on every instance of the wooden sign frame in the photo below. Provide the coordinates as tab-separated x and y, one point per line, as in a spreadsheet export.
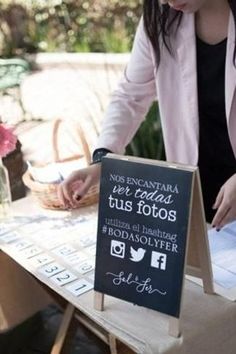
197	257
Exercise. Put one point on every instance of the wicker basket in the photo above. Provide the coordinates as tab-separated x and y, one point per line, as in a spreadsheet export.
46	194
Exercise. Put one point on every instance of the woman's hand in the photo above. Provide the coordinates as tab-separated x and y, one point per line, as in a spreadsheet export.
225	203
73	188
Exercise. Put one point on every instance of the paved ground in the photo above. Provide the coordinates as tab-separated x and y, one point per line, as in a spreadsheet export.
76	90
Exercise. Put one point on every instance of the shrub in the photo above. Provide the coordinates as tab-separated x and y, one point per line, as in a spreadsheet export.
148	141
68	25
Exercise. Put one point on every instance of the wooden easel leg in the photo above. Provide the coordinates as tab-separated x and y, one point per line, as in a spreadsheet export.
200	232
174	327
112	344
62	332
98	301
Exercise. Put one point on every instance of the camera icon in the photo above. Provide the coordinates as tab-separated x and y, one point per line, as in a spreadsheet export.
118	249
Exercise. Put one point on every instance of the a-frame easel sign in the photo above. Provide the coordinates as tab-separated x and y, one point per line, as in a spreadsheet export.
151	231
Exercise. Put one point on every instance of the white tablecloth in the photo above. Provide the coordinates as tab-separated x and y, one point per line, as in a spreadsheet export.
208	321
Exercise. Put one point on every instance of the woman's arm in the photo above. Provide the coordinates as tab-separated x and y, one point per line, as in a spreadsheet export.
128	107
131	100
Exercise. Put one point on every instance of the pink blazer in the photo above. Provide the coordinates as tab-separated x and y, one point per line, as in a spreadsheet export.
174	84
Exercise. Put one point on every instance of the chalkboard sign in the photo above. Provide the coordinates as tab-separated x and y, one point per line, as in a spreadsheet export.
144	213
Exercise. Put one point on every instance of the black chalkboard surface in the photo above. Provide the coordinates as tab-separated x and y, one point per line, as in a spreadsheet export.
144	212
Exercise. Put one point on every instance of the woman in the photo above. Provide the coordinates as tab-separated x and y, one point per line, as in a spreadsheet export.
183	55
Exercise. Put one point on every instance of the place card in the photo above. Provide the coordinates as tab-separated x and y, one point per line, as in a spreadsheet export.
79	287
31	251
51	269
10	237
75	258
41	260
91	250
86	240
64	250
63	278
21	245
86	266
51	244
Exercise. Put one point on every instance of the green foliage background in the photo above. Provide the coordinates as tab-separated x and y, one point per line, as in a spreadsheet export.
148	141
68	25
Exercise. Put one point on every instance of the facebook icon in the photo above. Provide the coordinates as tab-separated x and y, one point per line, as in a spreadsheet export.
158	260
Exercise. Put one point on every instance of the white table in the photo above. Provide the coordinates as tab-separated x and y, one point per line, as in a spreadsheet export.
208	321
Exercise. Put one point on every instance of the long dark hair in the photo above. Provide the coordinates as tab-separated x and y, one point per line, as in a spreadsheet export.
160	20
